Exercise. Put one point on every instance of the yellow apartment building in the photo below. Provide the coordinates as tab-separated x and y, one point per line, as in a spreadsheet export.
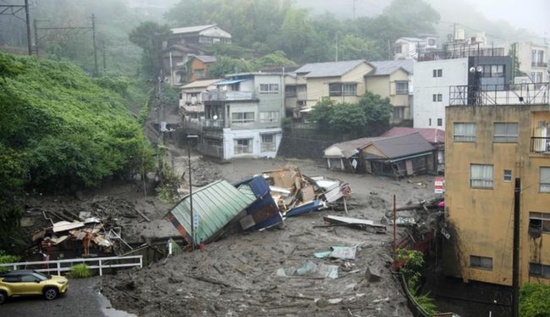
503	136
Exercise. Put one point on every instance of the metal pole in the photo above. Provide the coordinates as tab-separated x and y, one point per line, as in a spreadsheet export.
515	264
28	22
394	232
95	48
191	196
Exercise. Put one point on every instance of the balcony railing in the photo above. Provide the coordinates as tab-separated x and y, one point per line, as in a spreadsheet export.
540	145
501	94
539	64
220	95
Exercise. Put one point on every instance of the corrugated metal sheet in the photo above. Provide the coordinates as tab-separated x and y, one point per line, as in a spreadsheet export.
215	204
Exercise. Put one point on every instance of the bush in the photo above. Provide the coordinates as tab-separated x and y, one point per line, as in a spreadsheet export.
6	258
81	271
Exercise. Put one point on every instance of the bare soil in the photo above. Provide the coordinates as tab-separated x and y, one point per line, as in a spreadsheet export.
237	276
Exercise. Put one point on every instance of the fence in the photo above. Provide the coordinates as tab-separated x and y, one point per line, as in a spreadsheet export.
65	265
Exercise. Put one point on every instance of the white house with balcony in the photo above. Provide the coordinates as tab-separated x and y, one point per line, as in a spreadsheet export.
190	103
242	117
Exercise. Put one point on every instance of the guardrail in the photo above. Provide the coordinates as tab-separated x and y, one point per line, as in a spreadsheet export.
65	265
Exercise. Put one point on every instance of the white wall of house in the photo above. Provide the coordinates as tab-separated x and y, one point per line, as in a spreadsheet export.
251	143
428	113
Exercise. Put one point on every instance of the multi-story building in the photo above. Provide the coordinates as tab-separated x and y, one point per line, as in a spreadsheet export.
409	47
242	117
433	78
533	61
347	81
493	139
191	103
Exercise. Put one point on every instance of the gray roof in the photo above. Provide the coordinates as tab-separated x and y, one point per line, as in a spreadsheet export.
348	148
192	29
206	58
403	145
389	67
329	69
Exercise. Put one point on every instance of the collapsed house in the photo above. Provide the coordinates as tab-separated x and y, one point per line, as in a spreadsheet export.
397	156
260	202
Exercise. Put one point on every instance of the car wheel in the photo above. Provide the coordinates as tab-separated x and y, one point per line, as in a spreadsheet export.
3	297
50	293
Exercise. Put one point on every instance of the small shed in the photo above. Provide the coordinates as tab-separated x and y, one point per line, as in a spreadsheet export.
399	156
344	156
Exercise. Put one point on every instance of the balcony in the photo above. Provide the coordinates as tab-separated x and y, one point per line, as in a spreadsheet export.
540	145
220	95
539	64
500	94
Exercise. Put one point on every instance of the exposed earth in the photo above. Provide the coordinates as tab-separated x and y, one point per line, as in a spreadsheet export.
256	274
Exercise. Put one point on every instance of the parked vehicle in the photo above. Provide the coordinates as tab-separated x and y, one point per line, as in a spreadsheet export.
27	282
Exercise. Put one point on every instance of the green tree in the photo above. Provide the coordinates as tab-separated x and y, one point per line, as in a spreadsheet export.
149	36
296	34
378	112
226	65
277	58
417	15
534	300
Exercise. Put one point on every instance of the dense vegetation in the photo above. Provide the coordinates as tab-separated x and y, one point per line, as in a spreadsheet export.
62	130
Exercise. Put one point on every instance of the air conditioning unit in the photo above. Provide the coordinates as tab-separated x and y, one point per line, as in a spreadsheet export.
522	80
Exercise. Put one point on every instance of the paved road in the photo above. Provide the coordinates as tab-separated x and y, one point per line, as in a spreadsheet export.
81	300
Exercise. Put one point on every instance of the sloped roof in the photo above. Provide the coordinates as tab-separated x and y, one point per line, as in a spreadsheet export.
192	29
431	135
403	145
348	148
389	67
201	83
215	204
329	69
206	58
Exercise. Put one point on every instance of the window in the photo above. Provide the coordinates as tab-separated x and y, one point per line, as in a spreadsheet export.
269	116
431	42
242	146
481	262
438	73
242	117
267	89
505	132
539	222
268	143
439	122
544	180
398	112
507	176
536	77
481	176
398	49
494	71
401	87
430	122
290	91
339	89
464	132
536	269
437	97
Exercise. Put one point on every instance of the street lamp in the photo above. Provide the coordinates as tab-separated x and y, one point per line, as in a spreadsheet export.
192	214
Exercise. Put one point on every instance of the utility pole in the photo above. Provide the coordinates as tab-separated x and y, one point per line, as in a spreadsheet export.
104	60
71	29
13	9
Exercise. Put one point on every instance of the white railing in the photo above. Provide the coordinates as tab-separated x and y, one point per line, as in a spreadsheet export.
65	265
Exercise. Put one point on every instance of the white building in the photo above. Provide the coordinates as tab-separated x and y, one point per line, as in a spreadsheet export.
431	89
409	47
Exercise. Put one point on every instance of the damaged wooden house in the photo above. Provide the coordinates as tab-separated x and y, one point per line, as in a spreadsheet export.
396	156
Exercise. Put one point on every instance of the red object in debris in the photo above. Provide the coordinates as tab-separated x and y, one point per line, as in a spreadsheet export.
441	204
201	246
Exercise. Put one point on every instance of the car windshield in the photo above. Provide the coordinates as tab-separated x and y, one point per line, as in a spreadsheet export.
40	276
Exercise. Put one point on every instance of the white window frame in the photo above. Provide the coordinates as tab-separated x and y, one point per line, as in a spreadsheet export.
437	97
242	146
505	132
464	131
402	87
439	122
544	180
243	117
481	262
398	112
481	176
268	143
437	73
269	89
507	176
269	116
